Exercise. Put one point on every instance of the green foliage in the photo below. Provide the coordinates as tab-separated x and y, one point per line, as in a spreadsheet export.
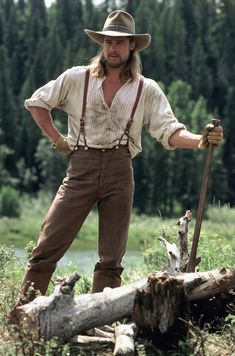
6	255
9	202
154	257
84	285
223	215
51	164
213	243
8	284
231	319
19	232
29	249
192	53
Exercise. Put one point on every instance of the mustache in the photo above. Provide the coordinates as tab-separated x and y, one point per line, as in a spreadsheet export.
104	60
113	54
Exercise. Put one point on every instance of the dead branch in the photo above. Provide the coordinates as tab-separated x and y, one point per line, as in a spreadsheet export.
125	339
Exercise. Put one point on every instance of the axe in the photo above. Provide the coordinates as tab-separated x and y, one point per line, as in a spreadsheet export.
201	205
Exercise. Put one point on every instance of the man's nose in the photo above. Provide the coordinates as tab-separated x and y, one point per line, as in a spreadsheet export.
113	47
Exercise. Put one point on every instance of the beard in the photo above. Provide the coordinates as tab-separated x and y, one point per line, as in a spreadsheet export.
115	63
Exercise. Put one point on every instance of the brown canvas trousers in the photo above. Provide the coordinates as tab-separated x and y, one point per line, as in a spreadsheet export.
104	177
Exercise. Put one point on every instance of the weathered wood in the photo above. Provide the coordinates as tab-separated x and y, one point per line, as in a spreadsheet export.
101	332
201	204
183	233
91	340
161	309
178	258
66	315
160	303
183	223
75	314
125	339
173	255
67	284
204	285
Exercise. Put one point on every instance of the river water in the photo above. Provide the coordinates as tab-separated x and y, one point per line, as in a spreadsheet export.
85	260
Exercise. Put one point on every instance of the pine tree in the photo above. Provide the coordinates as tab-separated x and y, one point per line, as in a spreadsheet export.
8	119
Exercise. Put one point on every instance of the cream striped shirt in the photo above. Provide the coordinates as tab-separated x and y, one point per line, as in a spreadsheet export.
105	125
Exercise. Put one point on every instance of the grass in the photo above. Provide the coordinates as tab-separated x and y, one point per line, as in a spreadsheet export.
218	225
216	247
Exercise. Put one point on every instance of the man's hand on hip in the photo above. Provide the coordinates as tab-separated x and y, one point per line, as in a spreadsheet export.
62	146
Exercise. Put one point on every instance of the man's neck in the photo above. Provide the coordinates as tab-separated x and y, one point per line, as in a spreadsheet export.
114	74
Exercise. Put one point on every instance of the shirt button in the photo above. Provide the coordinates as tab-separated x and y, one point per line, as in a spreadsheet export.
103	150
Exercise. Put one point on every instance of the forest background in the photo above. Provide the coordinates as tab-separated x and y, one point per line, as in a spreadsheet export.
192	57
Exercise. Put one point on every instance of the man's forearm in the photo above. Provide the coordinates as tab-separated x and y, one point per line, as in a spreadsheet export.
45	121
184	139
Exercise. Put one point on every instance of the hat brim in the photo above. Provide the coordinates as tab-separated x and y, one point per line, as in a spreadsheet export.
142	41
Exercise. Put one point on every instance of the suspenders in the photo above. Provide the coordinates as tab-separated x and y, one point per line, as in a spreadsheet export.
129	123
82	119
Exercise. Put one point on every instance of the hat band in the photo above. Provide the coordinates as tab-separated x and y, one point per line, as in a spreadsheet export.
118	28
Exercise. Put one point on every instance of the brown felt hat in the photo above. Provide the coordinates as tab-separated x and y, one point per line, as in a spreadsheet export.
120	23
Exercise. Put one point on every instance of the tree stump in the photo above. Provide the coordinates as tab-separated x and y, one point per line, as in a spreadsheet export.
161	310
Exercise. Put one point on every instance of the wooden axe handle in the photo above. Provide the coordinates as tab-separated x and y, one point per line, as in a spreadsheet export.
201	205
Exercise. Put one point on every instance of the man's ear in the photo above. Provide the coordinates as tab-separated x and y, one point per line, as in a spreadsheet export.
132	46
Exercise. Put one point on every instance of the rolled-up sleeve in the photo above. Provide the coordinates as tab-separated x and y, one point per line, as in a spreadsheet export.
53	94
160	121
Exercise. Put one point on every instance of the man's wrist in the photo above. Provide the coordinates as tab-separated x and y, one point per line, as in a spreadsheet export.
55	139
201	145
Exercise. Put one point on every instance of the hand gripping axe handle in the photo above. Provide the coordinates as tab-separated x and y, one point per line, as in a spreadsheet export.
201	205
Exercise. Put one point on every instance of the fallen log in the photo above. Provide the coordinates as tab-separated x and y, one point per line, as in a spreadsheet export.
76	314
66	315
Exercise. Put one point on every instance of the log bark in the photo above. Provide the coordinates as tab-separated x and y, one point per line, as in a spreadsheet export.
161	310
160	303
66	315
204	285
75	314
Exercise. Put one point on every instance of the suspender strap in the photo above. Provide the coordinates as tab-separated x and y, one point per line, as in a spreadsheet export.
140	87
130	121
85	93
82	119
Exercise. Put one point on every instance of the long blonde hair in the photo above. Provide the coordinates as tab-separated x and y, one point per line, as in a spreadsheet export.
129	72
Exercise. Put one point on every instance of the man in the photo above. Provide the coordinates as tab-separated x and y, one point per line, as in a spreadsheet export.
107	103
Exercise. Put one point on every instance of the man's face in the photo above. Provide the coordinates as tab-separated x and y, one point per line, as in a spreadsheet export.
116	50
